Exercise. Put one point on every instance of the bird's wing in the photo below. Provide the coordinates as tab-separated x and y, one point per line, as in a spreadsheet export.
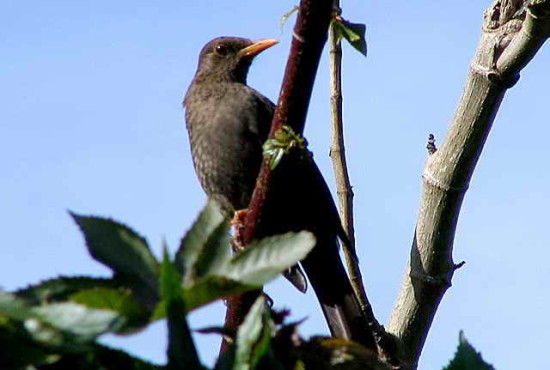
264	110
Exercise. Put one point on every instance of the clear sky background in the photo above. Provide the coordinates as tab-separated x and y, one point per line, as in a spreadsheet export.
91	121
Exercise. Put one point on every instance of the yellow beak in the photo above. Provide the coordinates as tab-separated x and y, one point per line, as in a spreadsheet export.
257	47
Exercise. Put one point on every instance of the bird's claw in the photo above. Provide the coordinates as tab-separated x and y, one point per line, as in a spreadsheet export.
238	223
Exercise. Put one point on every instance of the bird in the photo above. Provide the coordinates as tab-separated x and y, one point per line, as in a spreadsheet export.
228	122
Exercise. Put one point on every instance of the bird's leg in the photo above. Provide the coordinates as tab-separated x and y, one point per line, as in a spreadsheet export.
238	223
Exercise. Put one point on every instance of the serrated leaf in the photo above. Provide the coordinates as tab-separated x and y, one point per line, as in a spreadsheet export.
354	33
45	322
253	337
265	259
182	353
194	241
467	358
211	289
14	307
27	326
61	288
170	280
119	300
215	253
203	292
121	249
79	320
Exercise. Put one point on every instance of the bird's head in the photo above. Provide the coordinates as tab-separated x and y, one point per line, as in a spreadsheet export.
228	58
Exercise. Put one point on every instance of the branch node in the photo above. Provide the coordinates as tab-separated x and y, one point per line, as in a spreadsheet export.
437	280
494	76
430	180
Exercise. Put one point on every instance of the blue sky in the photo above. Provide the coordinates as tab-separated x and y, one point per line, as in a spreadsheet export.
91	121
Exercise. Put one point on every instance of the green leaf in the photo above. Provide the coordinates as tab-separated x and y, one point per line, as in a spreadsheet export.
59	324
204	291
14	307
122	250
354	33
285	139
212	288
86	323
249	269
467	358
253	337
265	259
215	254
120	300
182	353
61	288
193	243
276	158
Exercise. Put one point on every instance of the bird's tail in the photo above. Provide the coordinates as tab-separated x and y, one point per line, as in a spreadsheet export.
332	286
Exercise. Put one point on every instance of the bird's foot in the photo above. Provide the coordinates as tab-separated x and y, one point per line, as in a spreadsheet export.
238	223
238	218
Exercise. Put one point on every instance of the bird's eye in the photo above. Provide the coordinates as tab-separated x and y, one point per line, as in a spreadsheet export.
221	49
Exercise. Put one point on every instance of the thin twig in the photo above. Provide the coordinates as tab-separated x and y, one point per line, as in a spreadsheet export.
345	196
339	165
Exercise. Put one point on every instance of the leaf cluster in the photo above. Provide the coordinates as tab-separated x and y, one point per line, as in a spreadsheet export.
56	323
284	141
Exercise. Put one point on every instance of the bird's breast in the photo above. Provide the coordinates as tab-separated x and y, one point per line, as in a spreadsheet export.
226	152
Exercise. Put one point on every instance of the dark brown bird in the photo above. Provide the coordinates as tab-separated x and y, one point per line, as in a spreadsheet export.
228	122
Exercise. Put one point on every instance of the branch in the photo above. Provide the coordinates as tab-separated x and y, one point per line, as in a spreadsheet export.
511	36
338	156
384	342
309	37
345	192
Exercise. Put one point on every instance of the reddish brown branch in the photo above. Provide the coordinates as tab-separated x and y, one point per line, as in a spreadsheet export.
309	37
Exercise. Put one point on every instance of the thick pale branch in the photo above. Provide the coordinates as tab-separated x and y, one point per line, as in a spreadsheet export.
511	36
